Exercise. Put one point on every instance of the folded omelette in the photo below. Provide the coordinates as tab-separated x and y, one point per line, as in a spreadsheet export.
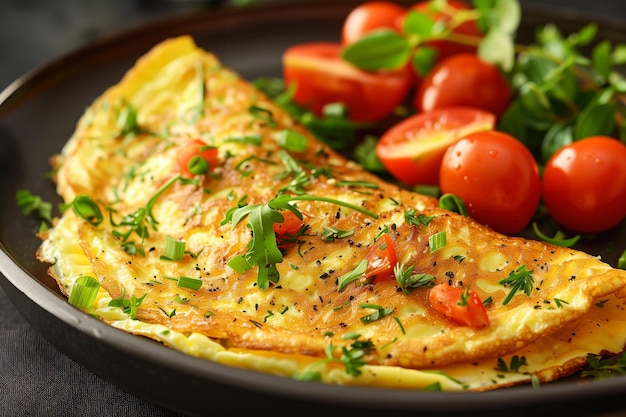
303	304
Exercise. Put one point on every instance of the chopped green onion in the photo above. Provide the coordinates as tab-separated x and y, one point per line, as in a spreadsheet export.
174	249
437	241
292	140
197	165
84	292
190	283
87	209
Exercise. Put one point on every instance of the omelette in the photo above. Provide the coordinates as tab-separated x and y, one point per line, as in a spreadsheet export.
292	260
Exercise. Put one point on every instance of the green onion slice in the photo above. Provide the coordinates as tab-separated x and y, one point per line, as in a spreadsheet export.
197	165
84	292
174	249
87	209
190	283
437	241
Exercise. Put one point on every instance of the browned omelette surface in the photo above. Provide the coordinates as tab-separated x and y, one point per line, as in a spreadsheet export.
180	93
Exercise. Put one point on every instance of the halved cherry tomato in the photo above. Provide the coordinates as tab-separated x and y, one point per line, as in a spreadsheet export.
497	178
584	184
445	16
321	77
196	157
464	80
464	309
381	260
412	150
369	16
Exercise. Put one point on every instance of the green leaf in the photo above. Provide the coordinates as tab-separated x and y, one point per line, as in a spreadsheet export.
584	36
352	276
596	119
420	25
381	49
618	56
601	59
424	59
497	47
453	203
556	137
506	16
534	100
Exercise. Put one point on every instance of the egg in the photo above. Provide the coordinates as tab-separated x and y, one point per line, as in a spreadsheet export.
239	295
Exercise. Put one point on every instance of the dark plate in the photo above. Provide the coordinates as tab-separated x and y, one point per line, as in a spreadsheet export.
37	115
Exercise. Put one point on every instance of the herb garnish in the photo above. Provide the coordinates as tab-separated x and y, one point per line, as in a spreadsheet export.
352	357
408	281
263	250
519	280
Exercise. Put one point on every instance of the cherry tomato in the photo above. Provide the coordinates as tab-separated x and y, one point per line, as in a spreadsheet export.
412	150
321	77
381	260
196	157
444	16
464	307
368	17
497	178
584	184
464	80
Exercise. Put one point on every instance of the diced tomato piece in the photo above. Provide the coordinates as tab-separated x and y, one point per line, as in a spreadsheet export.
464	308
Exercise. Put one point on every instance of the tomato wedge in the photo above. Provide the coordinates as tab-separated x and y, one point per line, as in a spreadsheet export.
463	306
381	260
322	77
413	149
196	158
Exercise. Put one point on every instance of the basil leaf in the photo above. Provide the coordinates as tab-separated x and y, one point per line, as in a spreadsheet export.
420	25
595	119
423	60
601	58
556	137
381	49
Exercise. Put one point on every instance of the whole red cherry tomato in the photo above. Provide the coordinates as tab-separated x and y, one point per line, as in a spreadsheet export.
412	149
369	16
464	307
497	178
464	80
584	184
321	77
444	16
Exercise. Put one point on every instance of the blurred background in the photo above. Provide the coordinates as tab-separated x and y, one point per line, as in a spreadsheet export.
33	374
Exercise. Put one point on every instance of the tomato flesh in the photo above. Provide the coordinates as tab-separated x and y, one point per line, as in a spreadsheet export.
321	77
381	260
193	149
413	149
447	300
497	178
464	80
584	185
370	16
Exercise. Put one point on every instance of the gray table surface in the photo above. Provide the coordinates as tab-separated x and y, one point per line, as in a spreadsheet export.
34	375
